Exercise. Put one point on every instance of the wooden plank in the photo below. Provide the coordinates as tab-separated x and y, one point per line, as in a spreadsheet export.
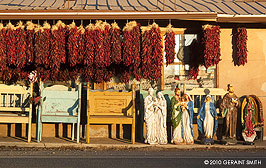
13	89
205	91
14	109
13	119
30	114
110	120
59	119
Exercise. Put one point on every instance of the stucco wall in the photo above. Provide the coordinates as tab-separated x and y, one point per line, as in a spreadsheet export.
248	79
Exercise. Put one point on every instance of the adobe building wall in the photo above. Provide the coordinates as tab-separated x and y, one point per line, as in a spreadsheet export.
250	78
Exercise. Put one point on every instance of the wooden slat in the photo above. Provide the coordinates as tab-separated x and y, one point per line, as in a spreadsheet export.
13	119
14	109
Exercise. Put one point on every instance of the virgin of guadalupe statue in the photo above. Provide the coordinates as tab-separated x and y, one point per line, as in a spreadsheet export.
248	113
161	111
187	118
150	118
207	120
176	117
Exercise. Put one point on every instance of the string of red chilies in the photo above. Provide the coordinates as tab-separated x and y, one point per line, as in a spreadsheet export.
241	46
97	52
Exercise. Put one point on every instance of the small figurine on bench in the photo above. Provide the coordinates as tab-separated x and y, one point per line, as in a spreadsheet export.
207	121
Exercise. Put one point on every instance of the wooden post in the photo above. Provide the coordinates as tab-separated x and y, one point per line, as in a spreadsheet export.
30	114
88	114
217	76
133	114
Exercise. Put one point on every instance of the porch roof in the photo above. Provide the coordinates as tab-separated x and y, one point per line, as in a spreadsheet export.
210	10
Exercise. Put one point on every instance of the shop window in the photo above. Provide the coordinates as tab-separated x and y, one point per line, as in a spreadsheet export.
178	72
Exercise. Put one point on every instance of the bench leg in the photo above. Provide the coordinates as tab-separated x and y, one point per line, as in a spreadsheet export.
121	131
73	131
88	133
133	134
78	132
113	131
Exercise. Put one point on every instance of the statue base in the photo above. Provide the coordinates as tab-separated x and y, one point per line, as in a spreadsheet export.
229	141
208	141
248	143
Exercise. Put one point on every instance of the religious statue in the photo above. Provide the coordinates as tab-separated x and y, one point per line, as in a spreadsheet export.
207	120
187	119
176	116
229	108
248	119
161	111
150	118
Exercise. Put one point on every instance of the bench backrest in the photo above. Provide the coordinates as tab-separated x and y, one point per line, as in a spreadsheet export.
110	103
60	100
15	98
198	95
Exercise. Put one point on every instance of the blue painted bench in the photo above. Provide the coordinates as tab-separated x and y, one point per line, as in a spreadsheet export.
59	104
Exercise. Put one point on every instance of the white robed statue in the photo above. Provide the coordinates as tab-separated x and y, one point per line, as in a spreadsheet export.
150	118
161	111
207	120
187	118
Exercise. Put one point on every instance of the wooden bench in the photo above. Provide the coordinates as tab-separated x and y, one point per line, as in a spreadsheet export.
111	107
198	96
15	105
59	104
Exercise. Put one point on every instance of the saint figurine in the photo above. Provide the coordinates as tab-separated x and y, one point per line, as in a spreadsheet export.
207	120
176	116
229	108
161	111
187	119
150	118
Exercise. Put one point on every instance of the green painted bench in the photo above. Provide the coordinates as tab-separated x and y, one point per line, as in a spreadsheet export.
59	104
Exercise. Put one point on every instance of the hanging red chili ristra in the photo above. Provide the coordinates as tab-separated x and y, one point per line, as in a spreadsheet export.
98	38
42	43
11	44
152	52
157	54
89	45
211	44
131	43
146	53
169	45
116	56
21	45
72	44
3	48
131	49
58	47
81	44
107	43
30	43
241	46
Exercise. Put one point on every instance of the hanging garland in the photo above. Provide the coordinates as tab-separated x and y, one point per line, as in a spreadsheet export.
146	52
107	43
58	46
30	43
116	56
98	38
169	45
42	45
241	46
211	44
3	47
21	46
